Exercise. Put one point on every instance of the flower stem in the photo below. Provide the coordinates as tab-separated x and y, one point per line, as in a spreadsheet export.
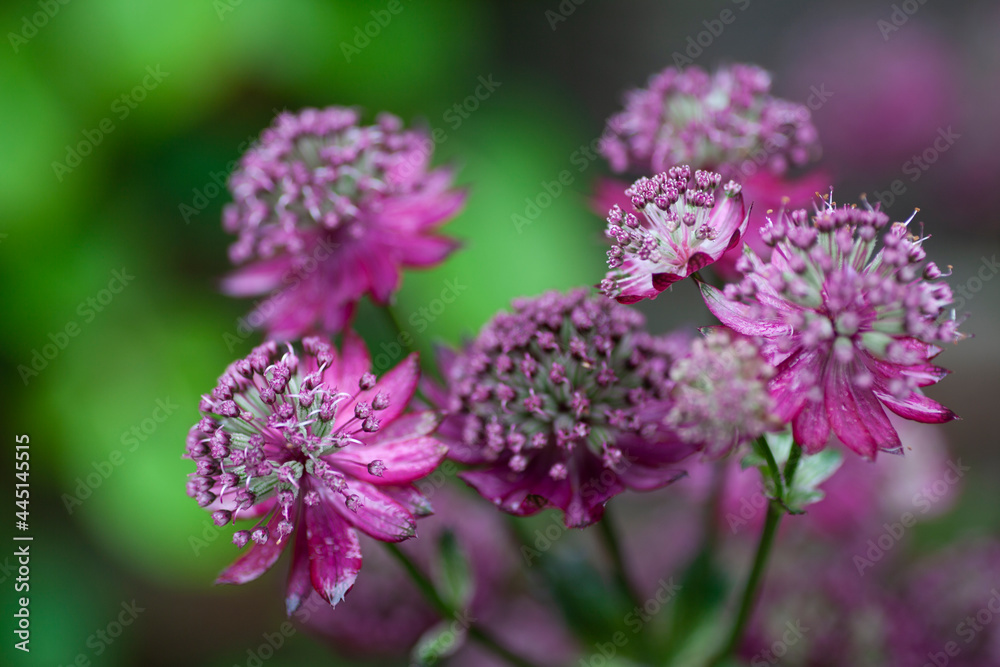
774	514
775	510
613	546
429	591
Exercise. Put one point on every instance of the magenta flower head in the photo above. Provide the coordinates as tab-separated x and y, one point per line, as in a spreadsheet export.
326	210
683	225
315	448
721	398
712	121
849	330
560	404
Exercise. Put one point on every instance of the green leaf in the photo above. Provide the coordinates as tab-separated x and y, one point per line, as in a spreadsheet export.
441	641
812	471
699	603
456	583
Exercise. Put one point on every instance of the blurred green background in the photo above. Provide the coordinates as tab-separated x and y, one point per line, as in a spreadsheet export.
122	360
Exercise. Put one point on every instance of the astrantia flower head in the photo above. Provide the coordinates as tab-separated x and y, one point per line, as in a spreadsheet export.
849	329
314	446
559	404
721	396
713	121
327	210
684	223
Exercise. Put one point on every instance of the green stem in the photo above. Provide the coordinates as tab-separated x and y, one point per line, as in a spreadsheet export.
775	510
774	514
430	592
613	546
792	464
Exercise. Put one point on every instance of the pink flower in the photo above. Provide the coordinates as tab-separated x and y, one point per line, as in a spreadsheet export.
721	400
686	224
711	121
848	329
560	404
326	210
763	193
317	449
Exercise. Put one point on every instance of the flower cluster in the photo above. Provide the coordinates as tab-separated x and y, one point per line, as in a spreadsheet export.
559	404
313	447
687	222
720	393
848	329
712	121
566	400
326	210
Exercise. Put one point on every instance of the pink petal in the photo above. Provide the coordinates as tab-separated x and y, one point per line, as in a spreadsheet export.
405	460
917	407
736	315
258	559
376	514
511	492
426	250
299	579
635	281
811	428
383	274
352	363
334	552
411	425
856	415
257	278
398	384
410	498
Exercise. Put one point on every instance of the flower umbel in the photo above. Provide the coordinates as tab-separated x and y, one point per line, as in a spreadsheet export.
326	210
849	329
559	404
686	224
315	447
712	121
720	393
